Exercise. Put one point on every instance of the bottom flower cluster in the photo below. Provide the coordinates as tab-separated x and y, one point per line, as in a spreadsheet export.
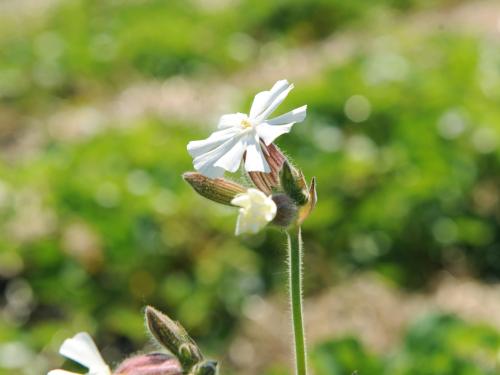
185	357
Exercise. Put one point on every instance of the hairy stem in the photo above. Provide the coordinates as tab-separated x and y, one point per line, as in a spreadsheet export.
295	273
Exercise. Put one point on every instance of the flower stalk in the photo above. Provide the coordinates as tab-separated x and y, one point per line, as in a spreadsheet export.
295	284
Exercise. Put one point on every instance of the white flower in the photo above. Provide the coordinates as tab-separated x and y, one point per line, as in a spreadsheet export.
81	348
239	132
257	209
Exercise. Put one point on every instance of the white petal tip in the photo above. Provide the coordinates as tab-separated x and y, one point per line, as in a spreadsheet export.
62	372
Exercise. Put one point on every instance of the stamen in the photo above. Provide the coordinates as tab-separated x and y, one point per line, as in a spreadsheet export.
245	124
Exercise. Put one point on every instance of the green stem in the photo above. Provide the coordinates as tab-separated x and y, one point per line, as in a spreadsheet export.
295	272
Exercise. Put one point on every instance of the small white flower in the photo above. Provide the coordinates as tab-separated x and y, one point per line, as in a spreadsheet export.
81	348
240	132
257	209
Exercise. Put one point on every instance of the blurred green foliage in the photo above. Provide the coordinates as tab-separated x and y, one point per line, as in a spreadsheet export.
415	186
402	137
87	45
437	344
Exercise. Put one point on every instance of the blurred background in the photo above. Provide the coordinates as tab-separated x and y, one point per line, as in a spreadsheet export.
98	100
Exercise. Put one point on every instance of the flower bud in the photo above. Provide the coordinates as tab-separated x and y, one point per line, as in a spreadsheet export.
208	367
294	183
150	364
189	353
174	337
218	190
286	212
267	182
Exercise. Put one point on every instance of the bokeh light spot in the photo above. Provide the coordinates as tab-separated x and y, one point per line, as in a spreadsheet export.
139	182
328	138
485	140
107	195
451	124
15	355
357	108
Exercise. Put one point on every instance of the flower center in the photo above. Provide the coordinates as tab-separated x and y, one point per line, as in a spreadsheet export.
246	124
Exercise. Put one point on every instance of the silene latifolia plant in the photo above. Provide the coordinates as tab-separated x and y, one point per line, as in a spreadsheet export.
276	192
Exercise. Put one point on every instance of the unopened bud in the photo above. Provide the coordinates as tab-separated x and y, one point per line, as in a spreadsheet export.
286	210
174	337
268	182
218	190
150	364
189	353
208	367
294	184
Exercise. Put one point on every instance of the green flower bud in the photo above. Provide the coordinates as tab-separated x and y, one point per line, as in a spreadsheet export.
189	353
205	368
294	184
218	190
174	337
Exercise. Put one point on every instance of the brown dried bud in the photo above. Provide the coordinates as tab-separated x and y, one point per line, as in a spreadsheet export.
268	182
218	190
150	364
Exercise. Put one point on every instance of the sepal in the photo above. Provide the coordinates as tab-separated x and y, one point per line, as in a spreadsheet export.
268	182
294	183
308	207
286	210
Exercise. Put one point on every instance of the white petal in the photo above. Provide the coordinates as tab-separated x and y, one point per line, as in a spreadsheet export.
268	133
255	160
81	348
232	119
256	211
206	163
211	171
208	152
197	148
239	225
62	372
265	98
241	200
231	160
245	224
271	129
297	115
274	104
